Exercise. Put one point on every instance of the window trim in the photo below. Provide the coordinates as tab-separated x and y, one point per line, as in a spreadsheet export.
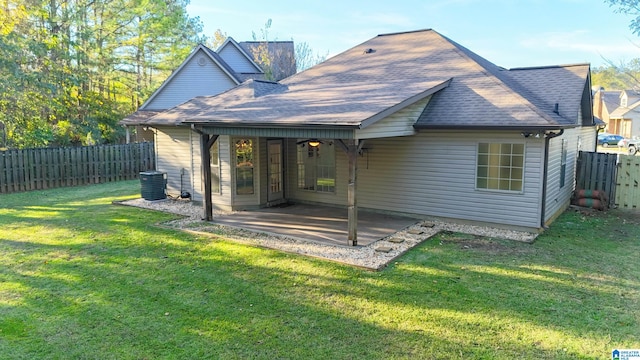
496	190
216	166
253	166
563	162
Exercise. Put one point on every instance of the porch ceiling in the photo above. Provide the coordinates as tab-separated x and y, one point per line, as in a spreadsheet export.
320	224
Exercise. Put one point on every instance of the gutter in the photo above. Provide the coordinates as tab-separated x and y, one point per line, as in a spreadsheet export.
418	126
545	174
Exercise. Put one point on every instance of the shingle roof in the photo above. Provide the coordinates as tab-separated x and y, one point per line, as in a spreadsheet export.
138	117
392	71
611	99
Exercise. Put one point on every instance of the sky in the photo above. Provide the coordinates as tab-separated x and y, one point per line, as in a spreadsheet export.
509	33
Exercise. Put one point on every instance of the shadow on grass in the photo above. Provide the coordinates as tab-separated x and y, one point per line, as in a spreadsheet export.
105	281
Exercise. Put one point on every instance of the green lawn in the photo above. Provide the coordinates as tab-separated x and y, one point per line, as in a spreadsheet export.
81	278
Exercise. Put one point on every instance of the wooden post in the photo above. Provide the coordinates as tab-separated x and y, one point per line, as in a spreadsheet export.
206	141
127	134
352	148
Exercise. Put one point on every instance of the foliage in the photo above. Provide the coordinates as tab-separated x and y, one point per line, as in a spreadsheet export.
306	57
620	76
70	69
114	285
274	63
628	7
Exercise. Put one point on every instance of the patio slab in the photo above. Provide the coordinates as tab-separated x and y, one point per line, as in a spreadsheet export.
321	224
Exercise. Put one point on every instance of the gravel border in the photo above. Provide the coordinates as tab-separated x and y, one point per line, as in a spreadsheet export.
374	256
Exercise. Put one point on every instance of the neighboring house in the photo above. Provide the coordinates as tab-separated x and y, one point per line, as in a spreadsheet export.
410	123
620	110
203	72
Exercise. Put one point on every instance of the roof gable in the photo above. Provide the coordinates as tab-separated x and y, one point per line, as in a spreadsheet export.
239	60
207	57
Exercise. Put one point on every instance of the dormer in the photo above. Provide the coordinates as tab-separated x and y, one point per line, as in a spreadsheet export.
624	99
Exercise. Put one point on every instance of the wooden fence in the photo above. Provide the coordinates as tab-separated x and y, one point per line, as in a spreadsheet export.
627	187
597	171
45	168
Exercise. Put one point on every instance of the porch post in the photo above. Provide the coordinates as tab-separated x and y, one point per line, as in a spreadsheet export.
351	149
206	141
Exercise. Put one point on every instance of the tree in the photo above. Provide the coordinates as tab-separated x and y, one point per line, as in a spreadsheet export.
614	76
274	62
71	69
217	40
628	7
306	57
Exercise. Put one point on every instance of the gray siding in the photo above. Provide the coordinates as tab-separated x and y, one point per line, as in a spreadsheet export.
398	124
558	198
238	62
196	168
173	154
223	200
192	80
433	174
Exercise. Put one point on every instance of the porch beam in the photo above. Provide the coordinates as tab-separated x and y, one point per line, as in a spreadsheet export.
352	148
206	141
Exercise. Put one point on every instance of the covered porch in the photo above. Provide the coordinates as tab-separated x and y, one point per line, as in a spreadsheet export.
315	223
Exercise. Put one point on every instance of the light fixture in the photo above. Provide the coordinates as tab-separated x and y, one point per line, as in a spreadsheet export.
525	134
314	142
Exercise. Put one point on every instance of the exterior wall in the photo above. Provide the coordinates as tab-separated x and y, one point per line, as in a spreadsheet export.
238	62
398	124
434	174
221	200
173	156
196	168
192	80
579	139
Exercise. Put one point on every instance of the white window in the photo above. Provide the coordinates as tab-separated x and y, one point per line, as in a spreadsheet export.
244	166
316	166
563	163
500	167
214	152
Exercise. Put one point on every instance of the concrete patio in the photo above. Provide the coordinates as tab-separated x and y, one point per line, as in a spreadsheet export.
320	224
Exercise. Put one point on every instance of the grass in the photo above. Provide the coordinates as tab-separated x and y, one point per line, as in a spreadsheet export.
83	279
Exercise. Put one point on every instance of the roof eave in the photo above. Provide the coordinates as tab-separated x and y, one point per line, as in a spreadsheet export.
494	128
205	123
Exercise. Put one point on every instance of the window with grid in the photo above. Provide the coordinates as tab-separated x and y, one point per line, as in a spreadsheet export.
244	166
563	163
316	167
214	153
500	167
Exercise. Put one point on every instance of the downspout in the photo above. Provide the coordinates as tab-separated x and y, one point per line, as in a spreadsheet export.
545	174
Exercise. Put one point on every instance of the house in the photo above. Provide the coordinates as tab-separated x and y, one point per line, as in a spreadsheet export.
203	72
409	123
620	110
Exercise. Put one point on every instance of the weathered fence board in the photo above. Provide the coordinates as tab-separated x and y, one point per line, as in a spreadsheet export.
44	168
597	171
628	189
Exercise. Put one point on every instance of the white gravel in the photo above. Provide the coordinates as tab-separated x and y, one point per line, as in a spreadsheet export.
369	256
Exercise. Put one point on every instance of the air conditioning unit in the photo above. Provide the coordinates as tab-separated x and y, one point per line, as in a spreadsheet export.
153	185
